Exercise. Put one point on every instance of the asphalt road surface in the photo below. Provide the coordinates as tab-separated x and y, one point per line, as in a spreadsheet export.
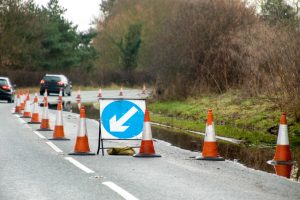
33	167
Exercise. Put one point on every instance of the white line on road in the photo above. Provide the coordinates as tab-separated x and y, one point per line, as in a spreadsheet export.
40	135
79	165
54	147
126	195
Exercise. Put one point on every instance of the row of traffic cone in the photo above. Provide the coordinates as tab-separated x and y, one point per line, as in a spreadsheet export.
81	145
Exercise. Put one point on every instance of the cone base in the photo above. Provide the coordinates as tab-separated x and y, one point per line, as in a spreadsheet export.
210	158
16	113
25	117
143	155
34	122
59	138
278	162
44	129
82	154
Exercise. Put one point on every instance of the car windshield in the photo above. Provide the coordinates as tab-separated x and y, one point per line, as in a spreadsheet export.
3	82
52	78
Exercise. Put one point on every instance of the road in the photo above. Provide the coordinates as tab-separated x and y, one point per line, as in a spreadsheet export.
32	167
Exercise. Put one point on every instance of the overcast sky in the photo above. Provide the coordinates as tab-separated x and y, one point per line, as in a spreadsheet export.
80	12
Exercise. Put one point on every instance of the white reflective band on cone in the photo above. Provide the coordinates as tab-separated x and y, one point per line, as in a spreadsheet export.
59	119
18	102
283	138
27	106
147	134
35	108
210	133
45	113
82	131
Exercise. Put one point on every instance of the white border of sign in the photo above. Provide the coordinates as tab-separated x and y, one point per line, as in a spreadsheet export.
105	102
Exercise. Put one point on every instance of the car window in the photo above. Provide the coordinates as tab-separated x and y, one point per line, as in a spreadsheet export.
3	82
52	78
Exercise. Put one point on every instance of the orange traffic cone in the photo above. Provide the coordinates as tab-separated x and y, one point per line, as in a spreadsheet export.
147	147
22	99
18	105
210	149
144	89
35	119
282	153
59	133
82	141
78	95
60	96
100	92
121	91
27	109
283	170
45	125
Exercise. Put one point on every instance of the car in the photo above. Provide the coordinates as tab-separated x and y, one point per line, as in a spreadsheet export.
7	90
53	83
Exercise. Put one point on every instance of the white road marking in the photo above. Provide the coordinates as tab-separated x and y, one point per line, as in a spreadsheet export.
79	165
22	121
54	147
126	195
38	134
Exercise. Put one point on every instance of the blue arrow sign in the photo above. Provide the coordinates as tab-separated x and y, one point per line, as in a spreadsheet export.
122	119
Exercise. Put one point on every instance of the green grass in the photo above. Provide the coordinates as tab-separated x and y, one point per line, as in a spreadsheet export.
246	119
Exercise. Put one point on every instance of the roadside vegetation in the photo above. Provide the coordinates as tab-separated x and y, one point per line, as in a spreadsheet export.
254	120
240	59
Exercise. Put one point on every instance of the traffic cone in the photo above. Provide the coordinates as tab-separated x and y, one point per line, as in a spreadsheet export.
82	141
45	96
121	91
59	133
27	109
60	96
283	170
22	101
144	89
45	125
147	147
210	149
78	95
100	92
283	152
35	119
18	105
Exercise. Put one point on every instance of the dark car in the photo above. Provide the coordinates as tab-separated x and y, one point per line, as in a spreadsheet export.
7	90
53	83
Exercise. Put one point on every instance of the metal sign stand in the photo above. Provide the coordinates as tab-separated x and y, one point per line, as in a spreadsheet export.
101	140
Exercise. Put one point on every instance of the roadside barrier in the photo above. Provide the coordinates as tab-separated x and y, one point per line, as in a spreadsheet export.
82	141
59	133
35	119
45	124
27	110
210	148
100	92
147	147
282	153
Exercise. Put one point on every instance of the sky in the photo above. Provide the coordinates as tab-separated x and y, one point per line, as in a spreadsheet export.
80	12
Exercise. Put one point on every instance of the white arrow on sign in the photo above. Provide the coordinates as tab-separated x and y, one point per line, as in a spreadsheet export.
117	126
